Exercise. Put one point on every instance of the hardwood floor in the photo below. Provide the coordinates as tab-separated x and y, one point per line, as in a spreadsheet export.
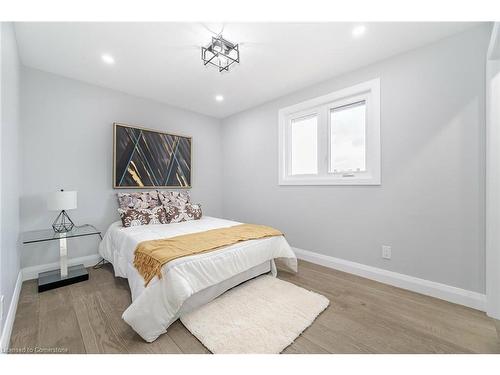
364	317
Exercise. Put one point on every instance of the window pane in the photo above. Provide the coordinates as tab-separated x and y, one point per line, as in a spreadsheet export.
305	146
348	138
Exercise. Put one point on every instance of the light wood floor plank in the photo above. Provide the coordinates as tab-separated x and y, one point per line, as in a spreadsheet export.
429	318
363	317
26	324
304	346
96	326
185	340
58	325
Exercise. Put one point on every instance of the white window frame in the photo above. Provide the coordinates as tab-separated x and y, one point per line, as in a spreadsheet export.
321	106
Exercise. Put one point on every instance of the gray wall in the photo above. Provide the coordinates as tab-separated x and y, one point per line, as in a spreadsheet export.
67	143
430	207
9	204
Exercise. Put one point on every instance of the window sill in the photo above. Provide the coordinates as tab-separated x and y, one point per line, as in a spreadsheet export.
347	181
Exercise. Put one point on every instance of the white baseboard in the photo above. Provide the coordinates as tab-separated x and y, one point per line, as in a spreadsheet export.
30	273
430	288
11	315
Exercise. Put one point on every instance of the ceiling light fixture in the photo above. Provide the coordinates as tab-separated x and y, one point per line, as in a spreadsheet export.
220	53
108	59
358	31
219	98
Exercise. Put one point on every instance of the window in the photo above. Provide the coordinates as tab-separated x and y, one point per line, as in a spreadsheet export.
333	139
304	145
348	138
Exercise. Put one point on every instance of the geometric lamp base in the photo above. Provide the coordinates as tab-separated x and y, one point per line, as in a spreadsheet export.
62	223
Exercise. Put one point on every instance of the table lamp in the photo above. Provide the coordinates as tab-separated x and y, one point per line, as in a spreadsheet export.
62	201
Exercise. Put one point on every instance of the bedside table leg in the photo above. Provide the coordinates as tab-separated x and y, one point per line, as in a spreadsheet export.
63	254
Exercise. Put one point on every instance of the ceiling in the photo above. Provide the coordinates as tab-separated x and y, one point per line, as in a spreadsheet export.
161	61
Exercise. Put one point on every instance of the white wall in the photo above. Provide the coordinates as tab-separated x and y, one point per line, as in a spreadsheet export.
67	143
430	207
9	204
493	175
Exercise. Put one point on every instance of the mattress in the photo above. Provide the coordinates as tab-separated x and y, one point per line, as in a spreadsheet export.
158	305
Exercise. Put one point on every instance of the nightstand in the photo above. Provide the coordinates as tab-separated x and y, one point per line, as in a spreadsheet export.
64	275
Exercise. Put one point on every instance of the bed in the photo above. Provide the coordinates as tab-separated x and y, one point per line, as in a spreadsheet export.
190	281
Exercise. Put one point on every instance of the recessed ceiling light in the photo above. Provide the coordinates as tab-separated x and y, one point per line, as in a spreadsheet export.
107	58
358	31
219	98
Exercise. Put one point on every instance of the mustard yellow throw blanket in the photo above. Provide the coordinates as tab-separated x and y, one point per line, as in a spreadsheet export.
151	255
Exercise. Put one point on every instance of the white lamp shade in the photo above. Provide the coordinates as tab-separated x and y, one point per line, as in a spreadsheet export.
61	200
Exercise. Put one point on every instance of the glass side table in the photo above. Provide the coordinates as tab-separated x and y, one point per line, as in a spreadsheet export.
64	275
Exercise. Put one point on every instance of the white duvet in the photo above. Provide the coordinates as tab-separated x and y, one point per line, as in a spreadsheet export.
157	306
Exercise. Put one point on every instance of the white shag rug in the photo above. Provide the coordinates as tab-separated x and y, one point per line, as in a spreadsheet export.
263	315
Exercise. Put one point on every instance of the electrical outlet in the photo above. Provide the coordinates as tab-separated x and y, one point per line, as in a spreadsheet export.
386	252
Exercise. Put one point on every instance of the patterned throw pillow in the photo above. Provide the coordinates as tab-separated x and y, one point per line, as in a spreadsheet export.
177	214
143	216
145	199
176	198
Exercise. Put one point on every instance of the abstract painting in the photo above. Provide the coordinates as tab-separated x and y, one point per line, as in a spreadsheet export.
150	159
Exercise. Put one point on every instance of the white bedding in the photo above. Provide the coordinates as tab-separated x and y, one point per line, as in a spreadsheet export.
157	306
